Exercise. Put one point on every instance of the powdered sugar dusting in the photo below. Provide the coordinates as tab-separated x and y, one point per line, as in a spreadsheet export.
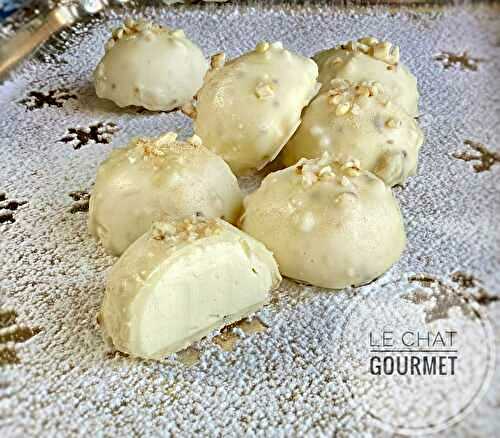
292	378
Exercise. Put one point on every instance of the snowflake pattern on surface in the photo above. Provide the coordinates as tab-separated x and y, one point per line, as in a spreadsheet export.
99	133
287	379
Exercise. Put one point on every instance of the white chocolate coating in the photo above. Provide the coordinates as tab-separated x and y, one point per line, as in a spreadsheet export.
370	60
328	224
248	109
150	66
356	120
152	178
182	280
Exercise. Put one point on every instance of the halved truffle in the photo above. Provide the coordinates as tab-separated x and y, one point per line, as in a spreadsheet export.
182	280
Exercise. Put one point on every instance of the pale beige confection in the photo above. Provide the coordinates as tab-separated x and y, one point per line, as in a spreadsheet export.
357	120
182	280
150	66
155	177
328	223
369	59
248	108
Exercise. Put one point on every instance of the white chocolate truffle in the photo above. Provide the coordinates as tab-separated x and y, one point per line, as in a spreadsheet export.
152	178
249	108
369	59
328	223
356	120
150	66
182	280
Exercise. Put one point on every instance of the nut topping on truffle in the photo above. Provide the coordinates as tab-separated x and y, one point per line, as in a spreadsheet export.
157	177
248	108
150	66
369	59
328	222
358	120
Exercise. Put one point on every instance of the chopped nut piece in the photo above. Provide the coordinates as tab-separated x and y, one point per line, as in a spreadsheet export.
343	109
167	138
262	47
189	110
160	230
339	83
351	163
309	178
393	123
353	172
217	60
369	41
363	47
394	58
190	229
264	90
334	91
373	90
178	33
351	46
327	170
150	150
381	51
195	140
362	90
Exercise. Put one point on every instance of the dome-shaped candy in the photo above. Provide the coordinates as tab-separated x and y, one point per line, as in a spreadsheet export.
248	109
150	66
357	120
154	178
327	223
369	59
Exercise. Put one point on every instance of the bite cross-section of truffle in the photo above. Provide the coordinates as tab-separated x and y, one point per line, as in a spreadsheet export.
180	281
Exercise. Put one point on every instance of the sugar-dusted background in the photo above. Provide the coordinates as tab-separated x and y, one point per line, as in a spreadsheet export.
57	377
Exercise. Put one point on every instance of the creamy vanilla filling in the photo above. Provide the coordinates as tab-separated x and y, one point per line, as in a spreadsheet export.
187	298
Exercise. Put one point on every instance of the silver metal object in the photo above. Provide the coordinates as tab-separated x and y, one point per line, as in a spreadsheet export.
33	34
